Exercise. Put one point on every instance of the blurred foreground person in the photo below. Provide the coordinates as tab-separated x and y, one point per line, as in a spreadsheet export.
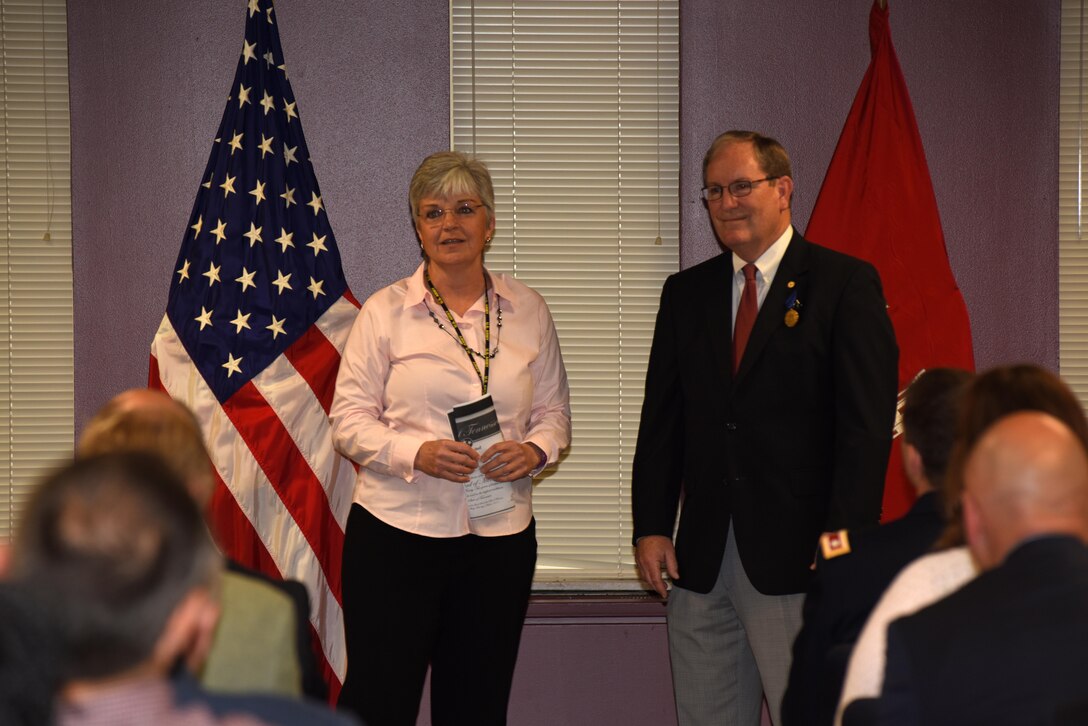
116	554
116	557
29	663
263	642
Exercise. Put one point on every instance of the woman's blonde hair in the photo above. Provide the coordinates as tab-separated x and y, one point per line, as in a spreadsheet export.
452	172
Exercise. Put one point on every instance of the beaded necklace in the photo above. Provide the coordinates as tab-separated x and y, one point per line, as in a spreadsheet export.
488	354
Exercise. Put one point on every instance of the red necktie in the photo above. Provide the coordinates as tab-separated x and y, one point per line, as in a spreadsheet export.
746	314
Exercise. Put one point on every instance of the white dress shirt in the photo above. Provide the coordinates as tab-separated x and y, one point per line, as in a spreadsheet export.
923	582
766	267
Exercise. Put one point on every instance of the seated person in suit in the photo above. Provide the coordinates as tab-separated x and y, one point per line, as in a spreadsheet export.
854	567
118	564
1011	646
29	663
263	639
989	397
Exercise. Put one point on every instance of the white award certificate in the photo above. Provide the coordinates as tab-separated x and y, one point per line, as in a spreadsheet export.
476	424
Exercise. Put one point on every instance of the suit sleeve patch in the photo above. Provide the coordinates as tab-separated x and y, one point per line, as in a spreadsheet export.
834	544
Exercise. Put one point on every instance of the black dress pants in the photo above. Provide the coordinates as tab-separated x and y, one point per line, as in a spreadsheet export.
456	604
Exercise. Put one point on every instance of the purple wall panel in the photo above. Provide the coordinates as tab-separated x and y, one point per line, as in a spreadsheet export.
588	662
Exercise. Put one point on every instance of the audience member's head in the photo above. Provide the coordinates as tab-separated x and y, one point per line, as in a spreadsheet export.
993	395
1026	477
930	414
114	547
141	419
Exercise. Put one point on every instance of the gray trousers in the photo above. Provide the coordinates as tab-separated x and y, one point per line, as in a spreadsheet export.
729	647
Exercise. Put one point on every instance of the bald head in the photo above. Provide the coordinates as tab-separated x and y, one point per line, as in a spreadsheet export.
1027	476
141	419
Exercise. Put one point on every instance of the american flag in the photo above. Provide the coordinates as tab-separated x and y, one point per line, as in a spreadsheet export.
258	313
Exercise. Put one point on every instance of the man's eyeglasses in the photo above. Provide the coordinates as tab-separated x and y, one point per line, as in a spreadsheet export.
741	188
434	216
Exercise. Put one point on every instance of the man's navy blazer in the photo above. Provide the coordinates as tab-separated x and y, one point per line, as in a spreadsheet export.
796	443
1010	647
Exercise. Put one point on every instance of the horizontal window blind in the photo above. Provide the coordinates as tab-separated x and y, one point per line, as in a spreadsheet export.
574	107
35	249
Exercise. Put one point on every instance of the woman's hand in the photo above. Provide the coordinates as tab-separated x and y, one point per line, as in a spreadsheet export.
509	461
446	459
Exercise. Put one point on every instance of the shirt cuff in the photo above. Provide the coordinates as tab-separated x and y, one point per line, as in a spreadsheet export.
404	457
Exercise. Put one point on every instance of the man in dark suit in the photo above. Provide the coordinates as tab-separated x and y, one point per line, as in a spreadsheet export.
1011	646
772	439
854	568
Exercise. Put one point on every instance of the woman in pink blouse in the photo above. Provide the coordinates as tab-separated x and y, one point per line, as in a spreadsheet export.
440	545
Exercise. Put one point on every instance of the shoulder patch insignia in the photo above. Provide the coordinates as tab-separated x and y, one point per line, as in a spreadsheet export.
834	544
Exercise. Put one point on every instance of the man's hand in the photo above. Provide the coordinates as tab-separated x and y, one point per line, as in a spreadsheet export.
653	554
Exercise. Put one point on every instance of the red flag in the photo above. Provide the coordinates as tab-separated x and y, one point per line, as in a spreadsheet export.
877	203
258	314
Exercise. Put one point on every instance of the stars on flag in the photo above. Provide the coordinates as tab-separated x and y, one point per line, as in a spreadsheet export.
220	231
259	163
282	281
254	234
240	321
276	327
213	273
285	240
233	365
258	192
228	186
246	279
205	317
318	244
